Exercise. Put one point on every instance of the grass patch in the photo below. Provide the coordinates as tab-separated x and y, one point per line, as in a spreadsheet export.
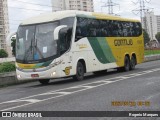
151	52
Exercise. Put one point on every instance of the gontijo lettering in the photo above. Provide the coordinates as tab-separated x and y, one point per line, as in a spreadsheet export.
123	42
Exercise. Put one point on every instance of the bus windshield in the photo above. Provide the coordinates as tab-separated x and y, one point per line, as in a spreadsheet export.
35	42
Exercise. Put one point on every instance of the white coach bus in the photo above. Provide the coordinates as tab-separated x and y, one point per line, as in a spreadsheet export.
72	43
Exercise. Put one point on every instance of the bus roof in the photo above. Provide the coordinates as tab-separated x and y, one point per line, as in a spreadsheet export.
48	17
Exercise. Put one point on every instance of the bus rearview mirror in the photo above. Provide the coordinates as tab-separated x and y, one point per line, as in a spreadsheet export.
57	30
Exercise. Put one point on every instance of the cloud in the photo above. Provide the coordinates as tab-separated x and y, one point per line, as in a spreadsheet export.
16	14
126	7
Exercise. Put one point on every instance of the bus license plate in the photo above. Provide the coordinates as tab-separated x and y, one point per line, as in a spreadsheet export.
34	75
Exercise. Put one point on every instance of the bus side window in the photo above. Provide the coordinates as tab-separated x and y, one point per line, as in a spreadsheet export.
91	28
78	34
102	33
65	34
65	39
120	29
69	37
81	28
139	29
110	28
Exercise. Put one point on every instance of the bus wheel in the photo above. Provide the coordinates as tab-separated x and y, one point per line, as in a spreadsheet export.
126	64
132	63
79	72
44	81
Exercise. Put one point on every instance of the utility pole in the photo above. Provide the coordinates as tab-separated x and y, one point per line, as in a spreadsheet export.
109	4
142	10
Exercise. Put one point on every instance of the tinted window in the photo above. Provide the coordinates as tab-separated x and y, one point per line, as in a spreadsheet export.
87	27
67	21
66	34
36	43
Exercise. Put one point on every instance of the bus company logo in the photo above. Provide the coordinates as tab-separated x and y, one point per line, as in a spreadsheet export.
123	42
67	70
6	114
82	46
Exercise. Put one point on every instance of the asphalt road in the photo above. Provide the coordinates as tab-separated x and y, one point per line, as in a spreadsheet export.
94	93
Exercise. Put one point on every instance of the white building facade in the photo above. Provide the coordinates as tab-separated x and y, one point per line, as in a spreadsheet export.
151	23
82	5
4	24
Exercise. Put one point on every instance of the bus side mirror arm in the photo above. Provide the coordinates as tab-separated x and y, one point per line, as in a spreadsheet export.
56	31
9	48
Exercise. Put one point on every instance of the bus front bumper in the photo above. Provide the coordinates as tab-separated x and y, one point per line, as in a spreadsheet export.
48	74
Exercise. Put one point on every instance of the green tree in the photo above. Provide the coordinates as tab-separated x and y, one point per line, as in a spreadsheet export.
13	44
3	53
146	36
158	36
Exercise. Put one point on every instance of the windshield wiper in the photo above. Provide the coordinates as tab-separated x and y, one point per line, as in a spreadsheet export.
28	50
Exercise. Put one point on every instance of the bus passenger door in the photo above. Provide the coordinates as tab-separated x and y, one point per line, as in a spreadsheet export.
66	64
65	42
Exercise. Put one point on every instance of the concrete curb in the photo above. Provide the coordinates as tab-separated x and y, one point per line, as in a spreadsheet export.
10	78
152	58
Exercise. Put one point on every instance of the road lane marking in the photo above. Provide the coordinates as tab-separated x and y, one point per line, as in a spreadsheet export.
27	100
46	99
65	93
62	92
89	86
125	77
153	96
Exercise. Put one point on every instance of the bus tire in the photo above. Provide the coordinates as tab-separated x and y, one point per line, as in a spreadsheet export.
80	70
126	64
44	81
132	63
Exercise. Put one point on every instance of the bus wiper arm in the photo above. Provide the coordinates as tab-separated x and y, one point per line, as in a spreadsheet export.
28	50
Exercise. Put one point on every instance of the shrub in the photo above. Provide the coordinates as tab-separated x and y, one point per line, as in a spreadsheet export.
13	44
3	53
7	67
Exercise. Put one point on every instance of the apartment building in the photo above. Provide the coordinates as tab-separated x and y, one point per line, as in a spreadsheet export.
4	24
158	23
83	5
151	23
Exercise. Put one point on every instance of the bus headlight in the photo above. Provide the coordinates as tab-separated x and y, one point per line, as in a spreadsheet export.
19	76
53	74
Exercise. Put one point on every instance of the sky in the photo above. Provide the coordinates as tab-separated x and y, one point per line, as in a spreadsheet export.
19	10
